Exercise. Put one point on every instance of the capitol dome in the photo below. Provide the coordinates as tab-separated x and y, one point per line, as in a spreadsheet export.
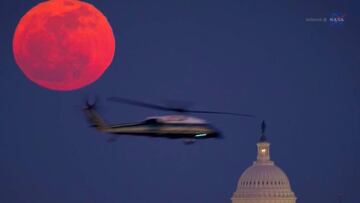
263	182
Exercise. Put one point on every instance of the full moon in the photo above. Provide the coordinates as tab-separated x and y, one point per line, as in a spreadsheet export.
63	44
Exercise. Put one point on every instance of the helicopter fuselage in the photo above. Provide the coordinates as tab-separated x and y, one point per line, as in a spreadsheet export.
172	126
173	131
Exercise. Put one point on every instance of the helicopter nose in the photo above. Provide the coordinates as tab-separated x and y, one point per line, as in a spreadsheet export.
216	133
219	136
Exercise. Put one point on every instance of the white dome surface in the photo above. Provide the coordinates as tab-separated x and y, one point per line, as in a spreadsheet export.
263	182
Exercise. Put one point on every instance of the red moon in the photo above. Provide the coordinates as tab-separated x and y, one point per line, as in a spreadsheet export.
63	44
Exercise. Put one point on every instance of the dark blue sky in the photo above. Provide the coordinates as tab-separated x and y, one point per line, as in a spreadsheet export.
243	56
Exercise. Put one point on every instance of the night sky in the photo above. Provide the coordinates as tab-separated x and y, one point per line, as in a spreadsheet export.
241	56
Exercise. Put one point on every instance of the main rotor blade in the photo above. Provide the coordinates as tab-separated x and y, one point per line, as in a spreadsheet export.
163	108
139	103
219	112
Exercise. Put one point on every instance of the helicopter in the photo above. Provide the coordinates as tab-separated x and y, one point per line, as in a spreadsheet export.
176	126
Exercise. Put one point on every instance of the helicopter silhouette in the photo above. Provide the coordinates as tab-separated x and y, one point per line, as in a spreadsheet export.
176	126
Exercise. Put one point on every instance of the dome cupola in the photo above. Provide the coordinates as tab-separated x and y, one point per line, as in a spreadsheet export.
263	182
